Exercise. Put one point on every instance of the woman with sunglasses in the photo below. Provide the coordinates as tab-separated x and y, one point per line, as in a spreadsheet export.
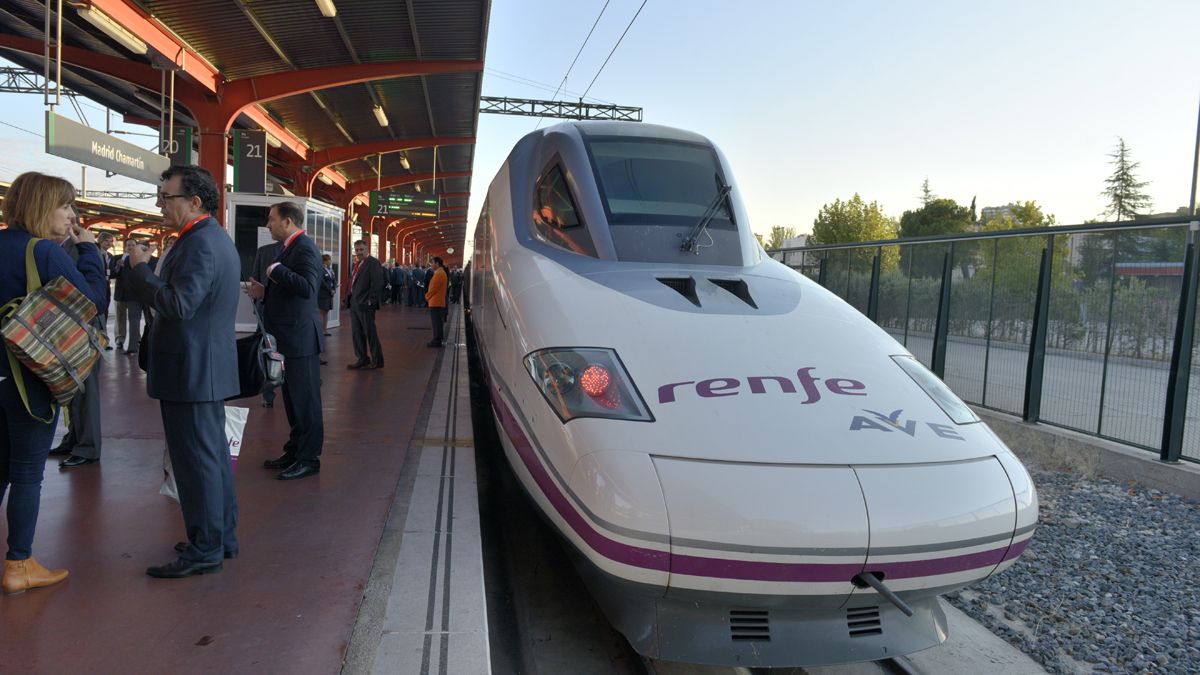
36	206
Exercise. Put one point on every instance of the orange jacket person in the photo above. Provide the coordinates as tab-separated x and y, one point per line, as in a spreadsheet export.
435	296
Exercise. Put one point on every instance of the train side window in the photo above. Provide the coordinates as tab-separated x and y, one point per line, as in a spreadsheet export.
555	218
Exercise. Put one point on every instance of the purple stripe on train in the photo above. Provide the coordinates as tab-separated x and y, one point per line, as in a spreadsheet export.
722	568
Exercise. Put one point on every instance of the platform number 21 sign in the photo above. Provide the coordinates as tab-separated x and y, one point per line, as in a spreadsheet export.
249	161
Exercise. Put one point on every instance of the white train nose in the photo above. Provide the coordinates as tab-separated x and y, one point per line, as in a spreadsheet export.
763	529
804	532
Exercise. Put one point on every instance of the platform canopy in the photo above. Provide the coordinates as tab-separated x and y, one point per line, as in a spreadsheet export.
353	94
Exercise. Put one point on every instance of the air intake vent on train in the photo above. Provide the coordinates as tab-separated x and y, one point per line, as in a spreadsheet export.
863	621
685	286
749	625
738	288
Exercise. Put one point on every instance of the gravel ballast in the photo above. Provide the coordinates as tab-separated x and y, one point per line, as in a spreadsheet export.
1111	582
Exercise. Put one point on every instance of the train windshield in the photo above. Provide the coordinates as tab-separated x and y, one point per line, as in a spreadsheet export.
655	194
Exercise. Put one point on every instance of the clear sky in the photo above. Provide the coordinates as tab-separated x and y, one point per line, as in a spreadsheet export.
813	101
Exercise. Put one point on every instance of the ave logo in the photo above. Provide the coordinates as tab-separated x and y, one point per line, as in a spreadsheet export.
891	423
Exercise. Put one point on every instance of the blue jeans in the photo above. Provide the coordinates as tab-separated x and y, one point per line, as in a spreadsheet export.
24	447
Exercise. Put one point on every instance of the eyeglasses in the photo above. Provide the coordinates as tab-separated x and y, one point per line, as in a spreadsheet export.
162	197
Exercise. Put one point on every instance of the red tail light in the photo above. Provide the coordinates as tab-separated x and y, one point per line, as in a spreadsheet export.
586	382
595	380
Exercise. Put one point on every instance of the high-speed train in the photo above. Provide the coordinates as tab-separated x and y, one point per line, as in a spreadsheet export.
749	471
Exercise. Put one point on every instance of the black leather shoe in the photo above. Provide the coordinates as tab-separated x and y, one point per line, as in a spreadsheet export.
63	449
76	460
375	366
324	363
356	366
329	335
300	470
282	462
180	547
178	568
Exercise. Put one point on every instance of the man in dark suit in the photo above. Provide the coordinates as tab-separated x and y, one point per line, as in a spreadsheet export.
263	257
366	289
289	297
399	278
129	310
192	366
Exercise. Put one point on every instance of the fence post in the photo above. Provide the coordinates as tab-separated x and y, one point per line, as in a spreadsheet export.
873	295
1181	363
937	361
1036	365
821	270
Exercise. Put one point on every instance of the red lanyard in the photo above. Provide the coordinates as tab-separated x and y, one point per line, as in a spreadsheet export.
189	225
292	238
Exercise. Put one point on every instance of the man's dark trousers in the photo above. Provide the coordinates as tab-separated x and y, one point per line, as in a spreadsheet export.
366	337
438	316
302	401
83	431
203	476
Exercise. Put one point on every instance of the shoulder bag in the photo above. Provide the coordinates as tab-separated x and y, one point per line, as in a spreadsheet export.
260	365
49	331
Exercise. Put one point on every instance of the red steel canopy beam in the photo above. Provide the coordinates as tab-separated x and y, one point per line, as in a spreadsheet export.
158	36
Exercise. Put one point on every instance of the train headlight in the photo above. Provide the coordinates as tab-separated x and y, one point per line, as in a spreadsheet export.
937	390
586	382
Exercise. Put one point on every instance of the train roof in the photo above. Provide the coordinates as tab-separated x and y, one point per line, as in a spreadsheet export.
630	130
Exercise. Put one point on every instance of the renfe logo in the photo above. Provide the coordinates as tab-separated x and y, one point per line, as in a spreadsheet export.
731	386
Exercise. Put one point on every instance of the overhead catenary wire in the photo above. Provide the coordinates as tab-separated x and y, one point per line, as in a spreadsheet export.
585	41
576	59
614	49
534	83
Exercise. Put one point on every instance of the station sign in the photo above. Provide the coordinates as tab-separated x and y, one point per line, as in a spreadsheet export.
250	161
80	143
404	205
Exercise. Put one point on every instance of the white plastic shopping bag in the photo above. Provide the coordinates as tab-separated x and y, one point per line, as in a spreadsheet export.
235	428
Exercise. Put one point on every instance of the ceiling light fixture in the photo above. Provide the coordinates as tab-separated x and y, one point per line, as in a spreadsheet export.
274	142
113	29
324	179
418	187
380	116
328	10
404	161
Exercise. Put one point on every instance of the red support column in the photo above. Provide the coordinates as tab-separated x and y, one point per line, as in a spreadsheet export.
214	156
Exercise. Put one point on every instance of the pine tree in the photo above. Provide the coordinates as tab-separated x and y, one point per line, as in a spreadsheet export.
926	194
1124	191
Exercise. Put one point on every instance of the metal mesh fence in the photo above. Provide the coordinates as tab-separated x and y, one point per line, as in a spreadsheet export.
1079	322
1148	276
1113	304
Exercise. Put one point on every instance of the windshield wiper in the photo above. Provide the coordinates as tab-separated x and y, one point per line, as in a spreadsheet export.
689	244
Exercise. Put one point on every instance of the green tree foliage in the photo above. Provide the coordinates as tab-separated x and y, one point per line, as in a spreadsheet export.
1124	190
940	216
779	234
855	220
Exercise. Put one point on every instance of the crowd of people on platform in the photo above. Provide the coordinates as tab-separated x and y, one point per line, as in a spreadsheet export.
187	296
